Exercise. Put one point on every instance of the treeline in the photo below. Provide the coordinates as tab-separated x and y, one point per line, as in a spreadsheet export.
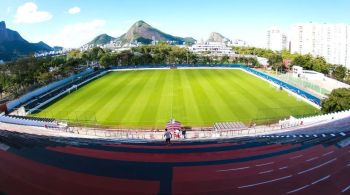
23	75
308	62
167	54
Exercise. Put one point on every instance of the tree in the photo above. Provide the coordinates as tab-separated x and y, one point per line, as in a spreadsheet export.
106	60
74	54
304	61
225	59
338	100
276	61
339	73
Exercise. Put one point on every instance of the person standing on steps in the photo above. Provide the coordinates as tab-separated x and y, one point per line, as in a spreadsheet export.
183	133
167	136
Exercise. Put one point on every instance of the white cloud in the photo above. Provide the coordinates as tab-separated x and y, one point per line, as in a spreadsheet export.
29	13
74	10
76	35
8	10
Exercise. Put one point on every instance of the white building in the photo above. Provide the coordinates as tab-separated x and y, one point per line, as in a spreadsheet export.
263	61
331	41
238	43
318	78
213	48
276	40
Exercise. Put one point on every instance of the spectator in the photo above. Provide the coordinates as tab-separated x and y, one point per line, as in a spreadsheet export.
177	134
167	136
184	133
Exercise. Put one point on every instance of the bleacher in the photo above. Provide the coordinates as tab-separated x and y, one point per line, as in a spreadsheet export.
29	121
246	165
229	126
39	100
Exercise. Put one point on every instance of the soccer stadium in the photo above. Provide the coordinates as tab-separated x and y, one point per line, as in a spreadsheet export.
147	112
228	147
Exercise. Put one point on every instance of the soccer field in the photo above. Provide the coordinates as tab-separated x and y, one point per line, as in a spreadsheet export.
195	97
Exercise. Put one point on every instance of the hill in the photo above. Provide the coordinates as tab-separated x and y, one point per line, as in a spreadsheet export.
12	45
217	37
145	33
101	40
140	32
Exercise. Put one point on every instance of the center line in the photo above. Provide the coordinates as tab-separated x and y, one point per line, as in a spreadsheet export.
298	189
260	165
235	169
318	166
295	157
265	182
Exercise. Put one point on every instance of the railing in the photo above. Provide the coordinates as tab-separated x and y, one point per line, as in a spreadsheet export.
28	122
334	122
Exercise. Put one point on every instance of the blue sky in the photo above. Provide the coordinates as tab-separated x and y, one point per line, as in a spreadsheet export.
50	20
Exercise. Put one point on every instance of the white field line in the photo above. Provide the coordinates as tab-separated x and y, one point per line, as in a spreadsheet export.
234	169
318	166
264	164
264	172
313	183
265	182
328	153
319	180
311	159
298	189
295	157
345	189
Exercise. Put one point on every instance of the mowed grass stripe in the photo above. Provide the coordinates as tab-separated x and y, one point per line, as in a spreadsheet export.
142	98
67	107
277	104
226	91
280	103
219	95
149	98
206	103
193	115
120	82
179	110
121	104
100	95
127	97
250	93
163	110
153	104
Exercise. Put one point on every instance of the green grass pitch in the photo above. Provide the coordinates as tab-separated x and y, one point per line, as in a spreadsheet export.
196	97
